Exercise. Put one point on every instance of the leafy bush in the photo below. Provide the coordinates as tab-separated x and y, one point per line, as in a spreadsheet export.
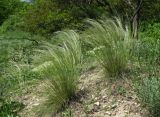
148	92
112	44
7	8
48	16
61	67
10	108
45	17
16	51
150	31
147	49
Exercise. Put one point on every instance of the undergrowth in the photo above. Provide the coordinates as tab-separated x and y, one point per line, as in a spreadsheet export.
148	92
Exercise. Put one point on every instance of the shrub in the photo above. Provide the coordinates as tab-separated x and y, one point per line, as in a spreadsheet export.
150	31
148	92
10	108
112	44
62	71
148	47
147	52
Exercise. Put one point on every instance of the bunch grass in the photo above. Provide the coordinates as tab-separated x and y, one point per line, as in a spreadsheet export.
112	43
61	68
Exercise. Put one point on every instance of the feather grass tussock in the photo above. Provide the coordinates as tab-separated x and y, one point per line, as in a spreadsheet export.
62	73
112	42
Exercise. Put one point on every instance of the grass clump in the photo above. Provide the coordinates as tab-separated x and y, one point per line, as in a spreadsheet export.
61	69
111	42
148	92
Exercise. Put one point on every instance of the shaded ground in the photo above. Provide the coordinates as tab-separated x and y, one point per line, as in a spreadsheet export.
101	98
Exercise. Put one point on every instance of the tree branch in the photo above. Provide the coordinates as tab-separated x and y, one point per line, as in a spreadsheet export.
137	10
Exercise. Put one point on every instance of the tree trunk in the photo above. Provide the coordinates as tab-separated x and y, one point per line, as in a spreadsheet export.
135	19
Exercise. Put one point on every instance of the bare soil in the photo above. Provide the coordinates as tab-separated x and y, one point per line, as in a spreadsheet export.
100	98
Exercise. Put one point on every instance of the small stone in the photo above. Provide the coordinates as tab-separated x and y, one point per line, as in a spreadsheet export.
104	106
36	104
96	98
126	111
93	96
108	113
104	97
97	103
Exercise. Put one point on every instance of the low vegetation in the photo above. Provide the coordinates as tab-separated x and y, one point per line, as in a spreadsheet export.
62	70
54	55
112	45
148	92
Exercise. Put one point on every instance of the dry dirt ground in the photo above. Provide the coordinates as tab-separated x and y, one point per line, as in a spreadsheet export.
99	98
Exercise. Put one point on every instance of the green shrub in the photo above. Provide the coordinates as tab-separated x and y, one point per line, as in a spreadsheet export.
147	48
112	44
148	92
150	31
8	7
15	65
61	67
147	52
45	17
10	108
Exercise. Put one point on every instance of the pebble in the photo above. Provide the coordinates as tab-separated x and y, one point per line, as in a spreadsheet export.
36	104
108	113
97	103
104	97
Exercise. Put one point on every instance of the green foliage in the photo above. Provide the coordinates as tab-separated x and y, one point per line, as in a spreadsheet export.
67	113
109	41
111	44
47	16
14	47
127	9
17	46
16	51
44	17
10	108
7	8
61	68
150	11
148	92
147	52
13	23
147	49
150	31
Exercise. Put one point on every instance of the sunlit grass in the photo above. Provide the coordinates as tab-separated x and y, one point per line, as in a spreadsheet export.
112	43
62	72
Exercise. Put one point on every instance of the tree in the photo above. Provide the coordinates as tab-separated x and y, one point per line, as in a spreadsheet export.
8	7
135	17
